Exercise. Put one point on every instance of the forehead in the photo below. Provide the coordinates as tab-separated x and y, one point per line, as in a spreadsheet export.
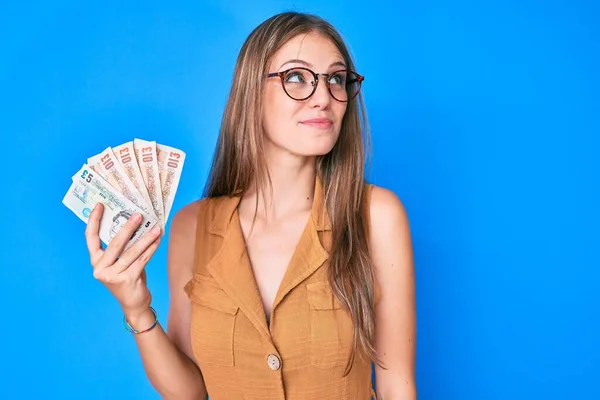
314	48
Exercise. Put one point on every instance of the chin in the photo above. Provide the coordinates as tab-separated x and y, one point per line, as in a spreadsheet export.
316	149
306	146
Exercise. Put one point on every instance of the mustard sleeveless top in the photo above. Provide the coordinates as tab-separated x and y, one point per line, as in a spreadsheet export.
302	353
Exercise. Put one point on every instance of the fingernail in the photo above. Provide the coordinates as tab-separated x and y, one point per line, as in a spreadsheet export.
137	217
155	230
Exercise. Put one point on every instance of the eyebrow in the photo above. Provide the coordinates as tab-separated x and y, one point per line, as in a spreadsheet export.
307	64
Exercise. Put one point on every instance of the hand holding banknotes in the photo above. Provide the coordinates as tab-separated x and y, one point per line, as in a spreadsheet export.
125	194
122	272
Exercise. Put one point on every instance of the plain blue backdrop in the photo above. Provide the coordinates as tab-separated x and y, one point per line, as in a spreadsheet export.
485	119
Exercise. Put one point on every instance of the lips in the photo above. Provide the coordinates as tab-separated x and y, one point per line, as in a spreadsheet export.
319	123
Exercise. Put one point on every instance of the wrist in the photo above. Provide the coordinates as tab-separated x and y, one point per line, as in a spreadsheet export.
133	314
140	319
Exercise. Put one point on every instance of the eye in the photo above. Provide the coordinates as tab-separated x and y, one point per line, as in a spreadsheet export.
339	78
295	77
298	76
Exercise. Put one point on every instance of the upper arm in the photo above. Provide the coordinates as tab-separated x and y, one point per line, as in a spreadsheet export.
395	314
180	261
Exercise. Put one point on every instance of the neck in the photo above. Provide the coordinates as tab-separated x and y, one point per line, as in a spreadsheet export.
291	190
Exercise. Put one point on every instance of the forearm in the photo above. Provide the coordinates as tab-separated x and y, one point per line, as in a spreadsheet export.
173	375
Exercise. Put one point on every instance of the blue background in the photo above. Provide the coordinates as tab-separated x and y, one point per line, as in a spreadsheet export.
485	121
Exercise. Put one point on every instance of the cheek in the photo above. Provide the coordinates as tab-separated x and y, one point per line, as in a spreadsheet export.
279	113
339	109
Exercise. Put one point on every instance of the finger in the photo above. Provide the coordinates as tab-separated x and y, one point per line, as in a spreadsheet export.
92	238
118	243
136	268
135	251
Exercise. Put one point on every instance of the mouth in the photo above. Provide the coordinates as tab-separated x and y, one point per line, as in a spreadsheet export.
318	123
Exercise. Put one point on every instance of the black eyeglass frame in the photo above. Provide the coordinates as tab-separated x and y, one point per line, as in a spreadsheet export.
359	79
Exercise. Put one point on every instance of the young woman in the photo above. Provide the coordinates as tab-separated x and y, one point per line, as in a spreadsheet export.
292	275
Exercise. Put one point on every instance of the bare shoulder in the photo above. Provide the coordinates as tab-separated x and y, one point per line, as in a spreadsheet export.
389	236
389	232
386	209
392	258
184	220
182	238
180	269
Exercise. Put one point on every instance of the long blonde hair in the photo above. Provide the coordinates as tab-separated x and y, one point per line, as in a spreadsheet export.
238	163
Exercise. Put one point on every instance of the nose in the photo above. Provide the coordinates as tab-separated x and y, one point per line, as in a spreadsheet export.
321	97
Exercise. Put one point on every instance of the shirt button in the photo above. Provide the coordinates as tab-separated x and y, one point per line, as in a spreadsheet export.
274	362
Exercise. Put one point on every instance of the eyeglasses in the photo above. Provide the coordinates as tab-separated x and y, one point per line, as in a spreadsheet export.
300	83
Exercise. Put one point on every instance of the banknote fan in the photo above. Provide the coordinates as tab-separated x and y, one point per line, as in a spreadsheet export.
139	176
